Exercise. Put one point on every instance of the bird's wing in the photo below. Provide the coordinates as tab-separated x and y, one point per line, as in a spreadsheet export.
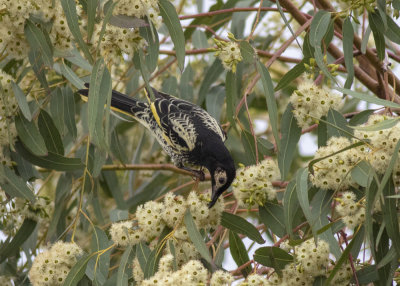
187	107
180	129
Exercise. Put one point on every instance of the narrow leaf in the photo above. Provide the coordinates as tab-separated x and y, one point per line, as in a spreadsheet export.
38	42
30	136
241	225
271	101
13	185
291	75
272	216
126	259
171	20
274	257
52	161
21	99
290	206
196	237
69	7
291	133
348	37
50	133
77	271
69	74
239	252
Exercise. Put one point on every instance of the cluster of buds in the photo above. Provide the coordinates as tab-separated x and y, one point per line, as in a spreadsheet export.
351	211
228	53
253	185
333	172
312	68
311	102
51	267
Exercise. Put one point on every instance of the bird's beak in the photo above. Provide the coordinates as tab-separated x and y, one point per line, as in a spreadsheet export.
214	197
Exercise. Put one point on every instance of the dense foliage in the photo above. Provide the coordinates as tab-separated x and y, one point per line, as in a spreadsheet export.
89	198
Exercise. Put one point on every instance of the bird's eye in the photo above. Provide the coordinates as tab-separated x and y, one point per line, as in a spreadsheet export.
221	181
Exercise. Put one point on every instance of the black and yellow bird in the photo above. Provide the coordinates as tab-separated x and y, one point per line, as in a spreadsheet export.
185	131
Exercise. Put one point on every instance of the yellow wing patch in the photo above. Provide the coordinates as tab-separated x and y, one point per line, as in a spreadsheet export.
155	114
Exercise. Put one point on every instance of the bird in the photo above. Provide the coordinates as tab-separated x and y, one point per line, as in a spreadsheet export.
186	132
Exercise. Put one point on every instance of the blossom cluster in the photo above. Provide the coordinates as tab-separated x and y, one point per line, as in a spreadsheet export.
228	53
191	273
253	185
12	21
153	217
51	267
333	172
139	9
381	142
351	211
311	102
310	261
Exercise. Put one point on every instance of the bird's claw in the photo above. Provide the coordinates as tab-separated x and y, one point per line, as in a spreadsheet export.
199	175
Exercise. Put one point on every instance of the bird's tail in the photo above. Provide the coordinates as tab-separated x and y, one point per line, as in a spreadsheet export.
119	102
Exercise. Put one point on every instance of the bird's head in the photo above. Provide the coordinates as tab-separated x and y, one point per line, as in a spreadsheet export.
222	175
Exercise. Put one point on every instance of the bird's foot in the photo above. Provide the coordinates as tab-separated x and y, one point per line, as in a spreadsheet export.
199	174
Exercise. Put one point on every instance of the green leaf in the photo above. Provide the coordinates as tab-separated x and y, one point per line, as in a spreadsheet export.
171	20
338	125
127	22
274	257
302	193
393	31
199	40
152	47
290	206
247	52
231	96
98	265
214	101
13	185
38	42
109	181
390	216
272	217
9	249
319	26
126	259
69	110
69	7
77	271
21	99
57	109
365	39
30	136
36	61
240	225
100	89
50	133
52	161
361	117
271	101
319	281
291	133
386	124
348	38
118	215
154	258
320	209
91	12
366	275
212	74
291	75
239	252
360	173
375	22
368	98
69	74
186	84
142	254
196	237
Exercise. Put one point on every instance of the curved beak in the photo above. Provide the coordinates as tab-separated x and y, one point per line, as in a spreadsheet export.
214	197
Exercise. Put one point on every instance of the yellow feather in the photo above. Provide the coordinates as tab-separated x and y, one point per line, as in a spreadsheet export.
155	114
